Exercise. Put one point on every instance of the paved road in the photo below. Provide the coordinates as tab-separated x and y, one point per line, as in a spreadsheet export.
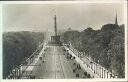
56	66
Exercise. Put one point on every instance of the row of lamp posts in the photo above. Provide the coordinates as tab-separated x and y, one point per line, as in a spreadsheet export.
18	71
96	68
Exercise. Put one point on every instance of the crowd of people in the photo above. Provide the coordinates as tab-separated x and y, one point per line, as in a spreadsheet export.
76	67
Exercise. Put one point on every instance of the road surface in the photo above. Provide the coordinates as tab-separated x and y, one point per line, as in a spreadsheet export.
56	65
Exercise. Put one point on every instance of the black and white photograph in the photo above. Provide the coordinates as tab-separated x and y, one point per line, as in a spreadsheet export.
64	40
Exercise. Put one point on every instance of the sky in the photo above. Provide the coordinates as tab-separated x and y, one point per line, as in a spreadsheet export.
78	16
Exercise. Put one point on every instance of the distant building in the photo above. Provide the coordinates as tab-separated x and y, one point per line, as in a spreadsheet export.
69	29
